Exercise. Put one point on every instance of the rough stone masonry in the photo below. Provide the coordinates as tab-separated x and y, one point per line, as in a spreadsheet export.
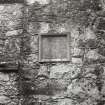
79	81
10	30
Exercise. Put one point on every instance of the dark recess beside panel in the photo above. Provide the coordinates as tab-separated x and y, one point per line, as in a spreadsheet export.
11	1
8	68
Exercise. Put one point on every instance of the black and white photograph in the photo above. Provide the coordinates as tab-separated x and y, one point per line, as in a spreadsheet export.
52	52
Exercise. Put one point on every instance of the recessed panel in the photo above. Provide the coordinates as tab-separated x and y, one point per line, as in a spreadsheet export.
54	47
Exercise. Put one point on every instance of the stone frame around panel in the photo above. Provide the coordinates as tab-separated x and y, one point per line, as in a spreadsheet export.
54	60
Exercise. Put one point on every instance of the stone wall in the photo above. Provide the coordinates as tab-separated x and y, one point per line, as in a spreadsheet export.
77	82
10	34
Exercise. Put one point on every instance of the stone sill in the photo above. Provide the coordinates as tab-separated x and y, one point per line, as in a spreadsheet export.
8	69
11	1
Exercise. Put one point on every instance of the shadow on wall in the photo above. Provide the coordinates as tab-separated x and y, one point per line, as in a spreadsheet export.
42	86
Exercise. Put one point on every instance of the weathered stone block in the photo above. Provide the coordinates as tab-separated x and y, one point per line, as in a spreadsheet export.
74	88
58	85
101	23
64	71
76	52
14	24
103	89
91	43
89	69
92	54
43	72
42	97
65	102
10	8
4	77
44	28
60	28
83	89
58	71
74	43
1	42
75	33
101	51
12	45
89	34
94	93
32	58
30	2
33	28
4	100
14	32
1	8
77	60
29	73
